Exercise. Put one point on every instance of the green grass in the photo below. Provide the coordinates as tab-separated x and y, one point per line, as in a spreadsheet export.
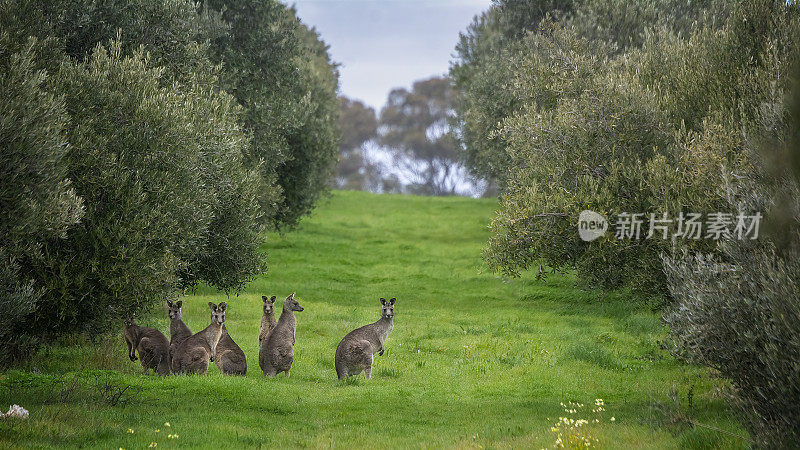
474	360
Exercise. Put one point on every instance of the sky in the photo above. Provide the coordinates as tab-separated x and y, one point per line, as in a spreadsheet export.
383	44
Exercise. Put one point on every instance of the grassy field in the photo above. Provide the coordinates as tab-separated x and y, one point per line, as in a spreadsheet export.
474	360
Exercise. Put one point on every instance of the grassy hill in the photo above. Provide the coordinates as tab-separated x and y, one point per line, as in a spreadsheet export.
473	361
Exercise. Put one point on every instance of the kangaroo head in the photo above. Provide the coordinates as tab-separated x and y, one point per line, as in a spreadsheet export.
269	304
387	308
129	330
174	309
290	304
218	312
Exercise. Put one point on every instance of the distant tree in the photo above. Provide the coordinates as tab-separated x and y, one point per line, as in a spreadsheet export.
359	127
359	124
415	126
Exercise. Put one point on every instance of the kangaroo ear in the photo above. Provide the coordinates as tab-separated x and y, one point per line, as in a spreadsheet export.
169	303
272	299
383	301
264	298
212	306
223	306
391	302
179	303
291	295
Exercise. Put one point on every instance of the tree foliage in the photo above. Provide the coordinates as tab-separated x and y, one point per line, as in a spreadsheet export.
415	125
738	311
282	75
37	200
359	124
139	157
488	53
132	171
649	120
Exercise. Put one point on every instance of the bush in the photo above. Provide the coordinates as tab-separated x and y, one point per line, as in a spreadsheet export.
37	201
140	158
738	311
740	317
488	59
280	72
160	155
598	144
655	128
229	255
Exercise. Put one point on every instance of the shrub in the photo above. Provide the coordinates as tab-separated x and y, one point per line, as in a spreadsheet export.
37	201
740	317
140	158
738	311
229	254
280	72
488	59
589	139
650	129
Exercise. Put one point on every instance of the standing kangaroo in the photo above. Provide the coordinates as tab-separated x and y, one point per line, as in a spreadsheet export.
277	352
267	319
230	357
152	345
194	353
355	351
178	331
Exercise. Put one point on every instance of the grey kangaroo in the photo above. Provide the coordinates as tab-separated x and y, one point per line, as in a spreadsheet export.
267	319
178	331
277	353
355	351
152	345
194	353
230	357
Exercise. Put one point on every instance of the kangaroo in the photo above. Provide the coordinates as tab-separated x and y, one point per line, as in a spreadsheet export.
355	351
230	357
276	353
267	319
152	345
194	353
178	331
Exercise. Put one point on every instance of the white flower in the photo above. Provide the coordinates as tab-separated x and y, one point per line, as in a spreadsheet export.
16	411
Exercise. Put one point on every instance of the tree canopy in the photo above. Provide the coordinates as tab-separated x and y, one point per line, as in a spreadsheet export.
150	143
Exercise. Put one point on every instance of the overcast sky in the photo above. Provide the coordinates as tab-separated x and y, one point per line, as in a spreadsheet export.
382	44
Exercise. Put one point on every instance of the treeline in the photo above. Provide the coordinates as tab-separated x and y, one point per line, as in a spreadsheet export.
653	106
146	145
412	136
